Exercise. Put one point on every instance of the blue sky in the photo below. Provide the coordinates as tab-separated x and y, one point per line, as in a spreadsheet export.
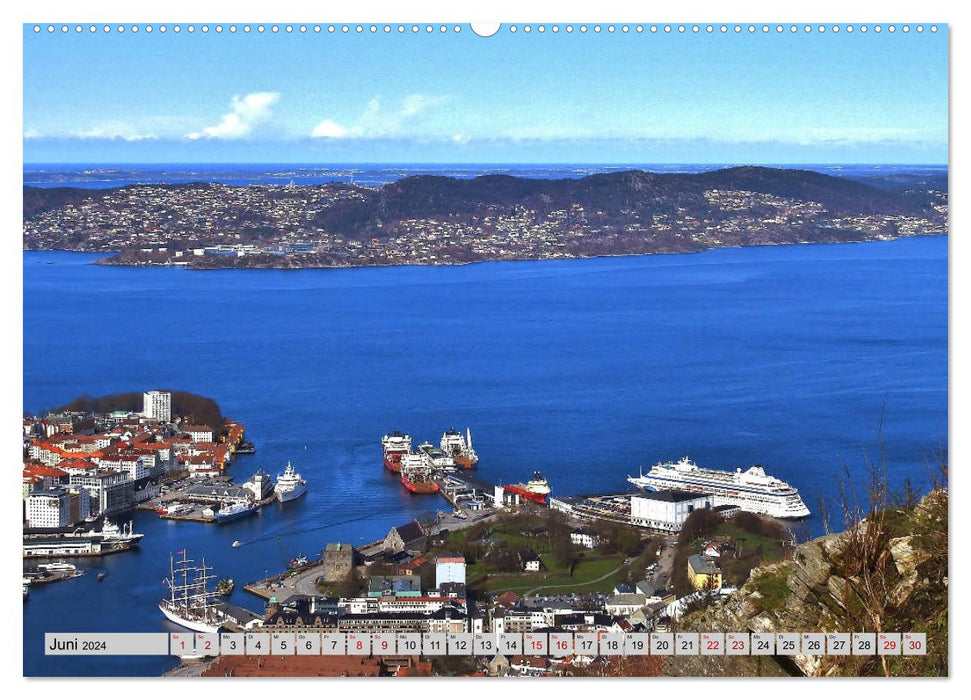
573	98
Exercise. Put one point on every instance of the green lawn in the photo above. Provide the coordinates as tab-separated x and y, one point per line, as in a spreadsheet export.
587	570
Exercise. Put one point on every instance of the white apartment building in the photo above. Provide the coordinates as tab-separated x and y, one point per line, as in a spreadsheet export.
157	405
449	569
49	508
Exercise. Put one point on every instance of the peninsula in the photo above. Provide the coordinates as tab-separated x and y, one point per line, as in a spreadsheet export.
431	220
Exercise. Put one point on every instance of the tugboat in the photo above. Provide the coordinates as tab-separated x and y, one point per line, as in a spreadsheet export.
190	602
395	446
289	485
459	448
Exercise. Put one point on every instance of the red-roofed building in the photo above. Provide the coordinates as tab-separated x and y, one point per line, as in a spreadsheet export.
198	433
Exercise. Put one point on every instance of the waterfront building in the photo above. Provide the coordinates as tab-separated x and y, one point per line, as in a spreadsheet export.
260	485
449	568
157	405
51	508
666	510
108	490
409	537
703	573
218	492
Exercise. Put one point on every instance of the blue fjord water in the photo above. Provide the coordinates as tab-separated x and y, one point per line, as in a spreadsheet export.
792	357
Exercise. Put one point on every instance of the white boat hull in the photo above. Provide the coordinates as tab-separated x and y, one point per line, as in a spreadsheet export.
194	625
291	495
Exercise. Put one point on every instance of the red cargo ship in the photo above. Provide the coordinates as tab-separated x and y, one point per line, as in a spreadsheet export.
416	474
535	490
395	446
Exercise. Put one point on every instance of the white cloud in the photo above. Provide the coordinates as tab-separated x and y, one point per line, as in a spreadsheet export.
378	122
113	131
32	134
328	129
247	112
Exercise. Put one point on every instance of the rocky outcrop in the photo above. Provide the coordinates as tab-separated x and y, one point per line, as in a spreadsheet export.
888	573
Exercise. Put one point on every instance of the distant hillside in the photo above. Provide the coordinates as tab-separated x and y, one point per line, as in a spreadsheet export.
619	196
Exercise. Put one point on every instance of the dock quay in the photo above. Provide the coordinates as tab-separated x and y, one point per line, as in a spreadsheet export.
196	495
38	576
300	581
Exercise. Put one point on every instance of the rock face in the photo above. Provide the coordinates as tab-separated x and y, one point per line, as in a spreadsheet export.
887	573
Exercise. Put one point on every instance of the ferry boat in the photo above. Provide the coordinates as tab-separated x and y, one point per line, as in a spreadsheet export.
395	446
57	567
536	489
289	485
459	448
752	490
416	473
234	511
189	604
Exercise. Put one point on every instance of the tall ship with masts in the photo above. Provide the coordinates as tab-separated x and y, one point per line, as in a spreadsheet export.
459	448
190	603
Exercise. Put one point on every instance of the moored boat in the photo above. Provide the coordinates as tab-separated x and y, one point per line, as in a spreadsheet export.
459	448
289	485
416	474
395	446
234	511
536	489
189	604
752	490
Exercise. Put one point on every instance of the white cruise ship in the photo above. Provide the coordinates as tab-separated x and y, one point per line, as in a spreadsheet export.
752	490
289	485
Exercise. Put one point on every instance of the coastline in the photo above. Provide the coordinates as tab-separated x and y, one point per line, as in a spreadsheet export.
106	261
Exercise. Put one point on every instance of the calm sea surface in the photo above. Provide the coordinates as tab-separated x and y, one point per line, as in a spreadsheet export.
582	369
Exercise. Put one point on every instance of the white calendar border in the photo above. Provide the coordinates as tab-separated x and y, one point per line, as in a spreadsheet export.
509	10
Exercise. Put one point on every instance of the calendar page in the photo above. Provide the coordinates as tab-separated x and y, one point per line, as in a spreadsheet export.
547	349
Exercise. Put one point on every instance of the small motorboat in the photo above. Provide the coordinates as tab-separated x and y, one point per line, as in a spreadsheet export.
101	576
237	543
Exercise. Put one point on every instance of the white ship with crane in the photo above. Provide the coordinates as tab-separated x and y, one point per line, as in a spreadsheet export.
459	447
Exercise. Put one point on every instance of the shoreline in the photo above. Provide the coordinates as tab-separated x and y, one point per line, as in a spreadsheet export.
104	262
